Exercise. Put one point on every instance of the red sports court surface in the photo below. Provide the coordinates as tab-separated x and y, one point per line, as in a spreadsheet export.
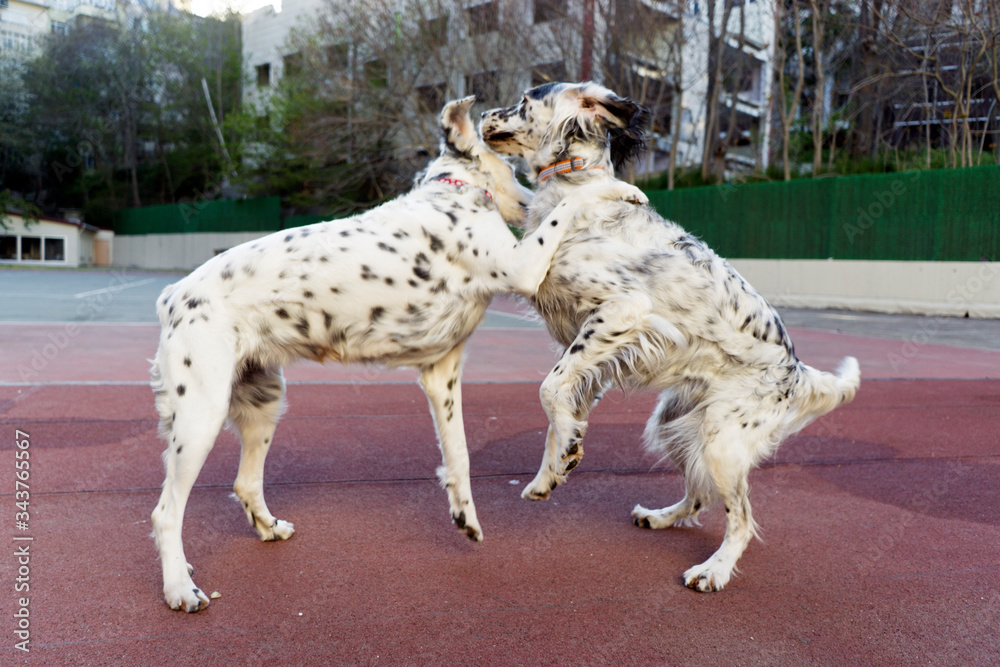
881	522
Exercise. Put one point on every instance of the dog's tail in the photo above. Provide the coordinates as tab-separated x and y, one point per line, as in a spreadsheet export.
819	392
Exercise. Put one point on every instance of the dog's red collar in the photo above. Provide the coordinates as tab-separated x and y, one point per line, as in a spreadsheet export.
564	167
461	184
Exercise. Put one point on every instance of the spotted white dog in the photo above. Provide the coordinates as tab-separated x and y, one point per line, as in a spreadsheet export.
638	300
404	284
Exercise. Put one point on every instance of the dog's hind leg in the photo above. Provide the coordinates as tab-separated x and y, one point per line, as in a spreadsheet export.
674	429
684	513
442	382
258	400
193	399
727	461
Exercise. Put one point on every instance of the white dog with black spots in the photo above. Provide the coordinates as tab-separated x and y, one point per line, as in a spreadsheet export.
638	301
404	284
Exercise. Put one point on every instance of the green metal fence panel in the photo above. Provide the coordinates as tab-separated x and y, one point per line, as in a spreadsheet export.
226	215
943	215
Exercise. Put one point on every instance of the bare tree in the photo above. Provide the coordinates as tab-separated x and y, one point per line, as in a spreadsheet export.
788	103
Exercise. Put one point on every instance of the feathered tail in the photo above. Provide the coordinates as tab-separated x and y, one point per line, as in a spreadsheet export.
819	392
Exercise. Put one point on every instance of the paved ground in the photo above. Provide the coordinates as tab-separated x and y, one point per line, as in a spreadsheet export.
880	520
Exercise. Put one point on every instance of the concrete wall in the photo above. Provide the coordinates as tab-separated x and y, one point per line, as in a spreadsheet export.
175	251
937	288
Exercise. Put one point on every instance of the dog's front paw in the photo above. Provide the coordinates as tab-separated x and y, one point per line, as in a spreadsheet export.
541	487
620	190
466	521
277	530
185	596
633	195
707	577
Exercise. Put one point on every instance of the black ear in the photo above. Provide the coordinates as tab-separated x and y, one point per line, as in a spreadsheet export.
627	140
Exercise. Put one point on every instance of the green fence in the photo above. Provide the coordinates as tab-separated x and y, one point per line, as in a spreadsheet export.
224	215
943	215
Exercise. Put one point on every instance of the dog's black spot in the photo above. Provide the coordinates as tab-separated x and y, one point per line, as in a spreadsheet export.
573	448
367	274
389	281
324	259
441	286
460	520
304	276
376	313
422	273
386	247
307	294
302	326
193	303
452	217
572	464
181	389
227	272
327	319
345	233
335	290
697	506
541	241
576	348
179	448
412	282
282	313
289	238
588	334
475	252
437	245
187	361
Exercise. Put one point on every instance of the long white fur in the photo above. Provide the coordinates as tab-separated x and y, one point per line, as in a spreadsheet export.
404	284
638	301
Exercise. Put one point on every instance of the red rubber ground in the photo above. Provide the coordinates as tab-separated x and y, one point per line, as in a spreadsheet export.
881	523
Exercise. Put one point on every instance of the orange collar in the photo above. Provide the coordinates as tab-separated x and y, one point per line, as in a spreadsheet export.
563	167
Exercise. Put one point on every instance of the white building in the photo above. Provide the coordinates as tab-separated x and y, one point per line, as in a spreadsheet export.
567	45
53	242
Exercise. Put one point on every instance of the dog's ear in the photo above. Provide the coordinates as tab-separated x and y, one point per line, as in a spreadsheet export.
457	130
626	122
629	142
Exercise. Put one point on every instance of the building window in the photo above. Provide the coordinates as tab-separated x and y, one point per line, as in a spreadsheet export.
431	98
264	75
376	73
55	250
485	86
549	10
548	73
338	56
483	18
8	247
434	32
3	4
58	28
292	64
31	247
